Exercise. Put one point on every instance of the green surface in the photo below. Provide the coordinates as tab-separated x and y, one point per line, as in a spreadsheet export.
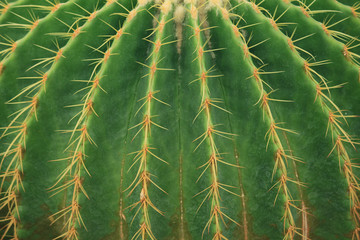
230	87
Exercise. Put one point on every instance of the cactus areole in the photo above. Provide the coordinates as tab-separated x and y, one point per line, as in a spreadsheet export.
179	120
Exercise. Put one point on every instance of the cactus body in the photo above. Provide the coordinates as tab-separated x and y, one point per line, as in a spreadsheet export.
179	120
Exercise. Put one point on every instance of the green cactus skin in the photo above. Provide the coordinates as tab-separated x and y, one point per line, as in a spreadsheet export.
179	120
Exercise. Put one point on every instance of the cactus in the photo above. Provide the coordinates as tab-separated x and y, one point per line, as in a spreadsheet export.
179	120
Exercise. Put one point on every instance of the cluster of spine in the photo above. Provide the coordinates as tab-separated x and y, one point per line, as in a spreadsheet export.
355	10
217	217
15	132
348	41
4	7
10	45
142	157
